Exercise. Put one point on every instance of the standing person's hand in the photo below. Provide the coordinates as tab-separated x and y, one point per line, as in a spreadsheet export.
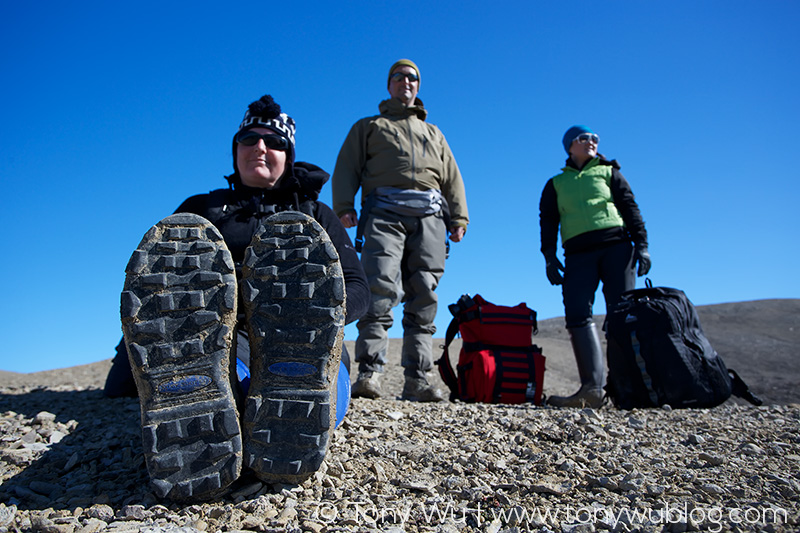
349	220
457	233
642	257
554	268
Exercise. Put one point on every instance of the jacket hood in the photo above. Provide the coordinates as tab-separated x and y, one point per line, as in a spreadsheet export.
395	108
308	178
601	160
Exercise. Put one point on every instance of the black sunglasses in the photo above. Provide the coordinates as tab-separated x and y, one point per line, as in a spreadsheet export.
272	141
399	76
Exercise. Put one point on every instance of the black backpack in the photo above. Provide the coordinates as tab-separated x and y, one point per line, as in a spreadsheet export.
658	354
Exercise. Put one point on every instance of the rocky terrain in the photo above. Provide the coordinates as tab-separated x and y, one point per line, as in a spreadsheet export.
71	460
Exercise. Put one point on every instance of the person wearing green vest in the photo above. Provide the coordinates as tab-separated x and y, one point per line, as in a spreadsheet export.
604	239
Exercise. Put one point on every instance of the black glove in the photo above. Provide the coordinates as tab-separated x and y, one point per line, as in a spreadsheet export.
553	268
642	256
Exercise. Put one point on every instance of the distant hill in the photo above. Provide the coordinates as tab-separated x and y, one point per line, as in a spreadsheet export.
759	339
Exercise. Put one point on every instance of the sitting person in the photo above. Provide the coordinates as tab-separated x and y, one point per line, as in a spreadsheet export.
255	281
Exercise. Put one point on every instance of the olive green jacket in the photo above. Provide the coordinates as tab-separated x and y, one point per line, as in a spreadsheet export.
397	149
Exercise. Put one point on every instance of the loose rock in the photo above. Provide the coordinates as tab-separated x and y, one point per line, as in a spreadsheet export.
72	461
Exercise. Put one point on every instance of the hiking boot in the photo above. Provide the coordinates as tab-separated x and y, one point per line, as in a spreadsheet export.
367	385
419	390
294	297
178	311
585	397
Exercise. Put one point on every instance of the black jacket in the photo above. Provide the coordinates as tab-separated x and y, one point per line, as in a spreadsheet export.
237	212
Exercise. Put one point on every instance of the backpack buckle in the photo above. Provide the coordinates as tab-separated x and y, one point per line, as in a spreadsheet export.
463	303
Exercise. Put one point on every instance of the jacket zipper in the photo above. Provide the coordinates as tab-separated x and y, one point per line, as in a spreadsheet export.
413	155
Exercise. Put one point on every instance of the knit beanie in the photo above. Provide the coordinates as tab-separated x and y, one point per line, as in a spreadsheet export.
401	63
266	113
573	132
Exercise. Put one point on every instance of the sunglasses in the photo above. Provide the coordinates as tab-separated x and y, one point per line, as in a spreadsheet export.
584	138
272	141
400	76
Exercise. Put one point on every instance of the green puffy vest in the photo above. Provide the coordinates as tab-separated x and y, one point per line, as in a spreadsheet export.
585	202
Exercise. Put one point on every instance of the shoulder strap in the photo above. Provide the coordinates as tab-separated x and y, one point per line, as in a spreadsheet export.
307	207
740	389
445	368
216	205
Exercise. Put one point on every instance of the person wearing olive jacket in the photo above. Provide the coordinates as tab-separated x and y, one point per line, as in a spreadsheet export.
603	237
412	195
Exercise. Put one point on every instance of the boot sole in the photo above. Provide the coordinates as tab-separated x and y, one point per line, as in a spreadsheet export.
294	294
178	311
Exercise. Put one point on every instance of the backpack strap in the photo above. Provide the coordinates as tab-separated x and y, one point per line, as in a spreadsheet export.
740	389
647	381
445	368
217	205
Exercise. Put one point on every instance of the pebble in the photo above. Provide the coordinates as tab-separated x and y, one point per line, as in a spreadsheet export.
636	423
751	449
696	439
713	460
7	514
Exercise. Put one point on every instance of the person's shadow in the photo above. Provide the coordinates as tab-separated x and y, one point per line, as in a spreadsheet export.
90	453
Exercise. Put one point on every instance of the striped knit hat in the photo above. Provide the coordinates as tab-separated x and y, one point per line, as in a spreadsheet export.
266	113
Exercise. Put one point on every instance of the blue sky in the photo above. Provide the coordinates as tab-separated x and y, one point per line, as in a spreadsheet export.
113	113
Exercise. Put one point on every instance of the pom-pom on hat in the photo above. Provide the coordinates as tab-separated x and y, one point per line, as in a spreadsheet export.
265	113
401	63
573	132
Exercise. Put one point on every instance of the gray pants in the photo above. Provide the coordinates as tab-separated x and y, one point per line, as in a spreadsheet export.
403	257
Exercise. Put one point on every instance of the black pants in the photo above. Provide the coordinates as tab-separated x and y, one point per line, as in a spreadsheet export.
584	271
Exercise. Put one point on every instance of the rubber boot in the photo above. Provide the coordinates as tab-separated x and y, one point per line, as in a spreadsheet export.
591	369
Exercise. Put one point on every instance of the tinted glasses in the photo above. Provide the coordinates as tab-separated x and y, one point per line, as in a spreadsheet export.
272	141
584	138
400	76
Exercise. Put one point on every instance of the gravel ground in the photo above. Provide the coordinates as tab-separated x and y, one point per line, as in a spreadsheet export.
71	461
